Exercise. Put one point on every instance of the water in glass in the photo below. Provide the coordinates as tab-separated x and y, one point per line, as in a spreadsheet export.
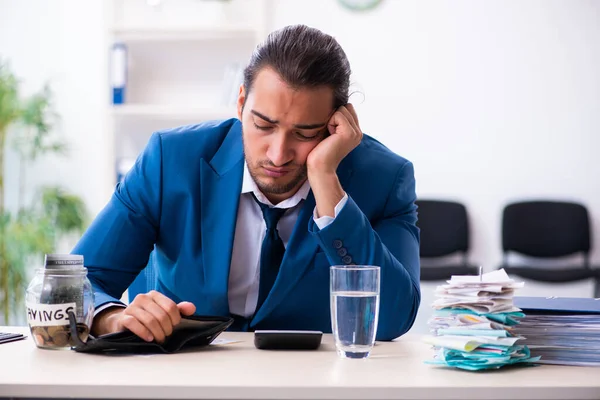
354	317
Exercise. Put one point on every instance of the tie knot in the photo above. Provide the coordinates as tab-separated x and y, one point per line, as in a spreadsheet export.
271	215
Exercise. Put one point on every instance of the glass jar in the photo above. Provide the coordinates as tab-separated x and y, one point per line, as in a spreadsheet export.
56	290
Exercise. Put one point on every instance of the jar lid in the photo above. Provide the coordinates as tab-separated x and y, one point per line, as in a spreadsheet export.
63	261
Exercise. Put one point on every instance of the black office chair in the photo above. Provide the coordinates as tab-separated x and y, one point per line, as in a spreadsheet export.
444	232
545	230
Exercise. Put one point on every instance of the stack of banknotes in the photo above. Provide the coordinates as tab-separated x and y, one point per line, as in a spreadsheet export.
472	327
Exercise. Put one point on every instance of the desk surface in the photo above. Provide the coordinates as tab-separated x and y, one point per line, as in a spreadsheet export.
237	370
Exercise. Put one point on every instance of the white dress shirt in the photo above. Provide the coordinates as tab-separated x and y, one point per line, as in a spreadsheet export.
250	230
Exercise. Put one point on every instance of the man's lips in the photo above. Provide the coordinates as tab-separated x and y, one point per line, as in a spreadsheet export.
275	172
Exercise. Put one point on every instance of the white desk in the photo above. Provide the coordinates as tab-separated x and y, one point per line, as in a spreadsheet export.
239	371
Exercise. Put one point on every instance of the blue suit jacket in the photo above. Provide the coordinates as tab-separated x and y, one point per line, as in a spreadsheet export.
180	200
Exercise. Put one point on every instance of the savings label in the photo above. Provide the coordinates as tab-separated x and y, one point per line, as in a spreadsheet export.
49	314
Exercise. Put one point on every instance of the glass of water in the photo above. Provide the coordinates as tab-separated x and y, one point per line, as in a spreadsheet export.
354	308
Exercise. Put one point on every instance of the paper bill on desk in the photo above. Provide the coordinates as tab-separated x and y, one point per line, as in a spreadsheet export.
480	307
494	278
491	292
509	319
481	360
469	343
480	295
471	291
457	331
474	323
446	323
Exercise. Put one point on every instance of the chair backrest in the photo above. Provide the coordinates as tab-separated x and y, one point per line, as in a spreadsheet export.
444	227
546	228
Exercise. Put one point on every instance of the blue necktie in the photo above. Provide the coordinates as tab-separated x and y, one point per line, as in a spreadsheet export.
271	251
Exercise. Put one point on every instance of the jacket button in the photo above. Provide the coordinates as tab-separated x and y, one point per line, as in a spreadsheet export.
347	260
337	244
342	252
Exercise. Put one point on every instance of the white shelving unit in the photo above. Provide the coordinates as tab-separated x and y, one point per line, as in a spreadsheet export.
184	62
182	35
175	112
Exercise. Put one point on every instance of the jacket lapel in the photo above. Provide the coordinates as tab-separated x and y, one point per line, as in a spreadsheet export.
300	250
221	182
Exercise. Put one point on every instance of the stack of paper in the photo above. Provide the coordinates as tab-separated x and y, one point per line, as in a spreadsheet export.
562	330
474	321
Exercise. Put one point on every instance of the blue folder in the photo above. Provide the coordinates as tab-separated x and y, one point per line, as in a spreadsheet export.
557	305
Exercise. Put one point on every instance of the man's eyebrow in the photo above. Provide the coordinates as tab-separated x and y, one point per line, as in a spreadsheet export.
259	115
298	126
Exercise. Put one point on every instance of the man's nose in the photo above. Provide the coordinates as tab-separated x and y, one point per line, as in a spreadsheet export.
280	152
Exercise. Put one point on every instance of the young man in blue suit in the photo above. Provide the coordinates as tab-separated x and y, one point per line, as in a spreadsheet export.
245	216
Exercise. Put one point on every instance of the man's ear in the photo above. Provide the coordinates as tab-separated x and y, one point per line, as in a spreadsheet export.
241	101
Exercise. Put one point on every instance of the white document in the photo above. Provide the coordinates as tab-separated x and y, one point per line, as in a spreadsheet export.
469	343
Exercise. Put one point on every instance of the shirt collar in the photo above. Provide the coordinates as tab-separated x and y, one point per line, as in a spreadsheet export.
249	186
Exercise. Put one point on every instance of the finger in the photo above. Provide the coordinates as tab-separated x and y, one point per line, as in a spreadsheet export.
350	107
168	305
135	326
356	133
336	119
186	308
161	316
349	121
149	321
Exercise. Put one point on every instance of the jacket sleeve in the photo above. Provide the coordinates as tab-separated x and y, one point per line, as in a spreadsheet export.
392	243
117	245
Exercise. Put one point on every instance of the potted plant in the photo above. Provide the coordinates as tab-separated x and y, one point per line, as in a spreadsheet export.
31	228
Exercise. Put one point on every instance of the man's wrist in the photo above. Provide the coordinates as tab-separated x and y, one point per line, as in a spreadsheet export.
104	321
327	190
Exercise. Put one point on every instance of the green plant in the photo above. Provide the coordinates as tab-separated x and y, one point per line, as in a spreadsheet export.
29	230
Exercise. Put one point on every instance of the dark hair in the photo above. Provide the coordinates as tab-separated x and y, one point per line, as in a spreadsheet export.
303	57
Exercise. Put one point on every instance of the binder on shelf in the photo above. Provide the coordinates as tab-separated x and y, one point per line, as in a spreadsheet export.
118	72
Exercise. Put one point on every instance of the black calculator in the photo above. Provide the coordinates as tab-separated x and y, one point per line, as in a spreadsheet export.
287	340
